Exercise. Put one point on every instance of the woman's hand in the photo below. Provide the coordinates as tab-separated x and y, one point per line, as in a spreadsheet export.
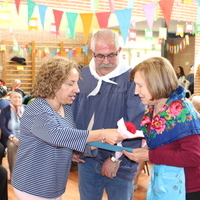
15	141
112	136
138	155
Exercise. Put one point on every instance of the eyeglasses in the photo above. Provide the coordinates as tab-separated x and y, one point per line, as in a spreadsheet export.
101	57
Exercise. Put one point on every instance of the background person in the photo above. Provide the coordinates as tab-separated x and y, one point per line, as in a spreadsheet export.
48	133
172	130
106	95
3	102
180	75
190	78
196	102
3	184
10	125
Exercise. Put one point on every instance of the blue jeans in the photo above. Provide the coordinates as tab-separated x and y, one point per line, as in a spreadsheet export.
92	183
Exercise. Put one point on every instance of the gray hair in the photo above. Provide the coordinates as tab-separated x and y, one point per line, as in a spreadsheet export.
106	35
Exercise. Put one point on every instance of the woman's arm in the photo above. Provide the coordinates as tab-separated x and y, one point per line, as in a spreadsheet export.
184	152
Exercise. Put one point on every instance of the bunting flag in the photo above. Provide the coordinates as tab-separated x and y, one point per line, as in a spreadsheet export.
133	23
2	47
148	34
33	23
78	51
86	20
5	16
111	5
180	30
187	40
31	6
58	16
166	8
42	12
46	50
71	18
17	3
189	27
94	5
174	49
132	35
70	53
162	33
53	28
85	49
149	10
74	52
197	28
103	19
15	45
124	18
53	53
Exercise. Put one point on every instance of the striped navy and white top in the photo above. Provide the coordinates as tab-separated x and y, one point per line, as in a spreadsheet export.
45	149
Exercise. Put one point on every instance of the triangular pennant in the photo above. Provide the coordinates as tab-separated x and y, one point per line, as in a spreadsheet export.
85	49
163	33
132	35
103	19
94	5
166	8
70	53
33	23
124	18
42	11
58	16
111	5
5	16
180	30
71	18
31	6
17	3
149	10
86	20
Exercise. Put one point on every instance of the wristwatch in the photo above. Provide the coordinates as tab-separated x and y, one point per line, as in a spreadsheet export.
113	159
12	138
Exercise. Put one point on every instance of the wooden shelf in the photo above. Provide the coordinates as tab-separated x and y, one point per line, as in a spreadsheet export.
26	73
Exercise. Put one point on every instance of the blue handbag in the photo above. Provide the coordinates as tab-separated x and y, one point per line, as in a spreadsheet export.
167	182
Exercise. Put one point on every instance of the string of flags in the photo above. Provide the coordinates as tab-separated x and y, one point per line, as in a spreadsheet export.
123	17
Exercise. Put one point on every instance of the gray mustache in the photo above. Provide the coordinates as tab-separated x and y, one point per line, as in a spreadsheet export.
107	65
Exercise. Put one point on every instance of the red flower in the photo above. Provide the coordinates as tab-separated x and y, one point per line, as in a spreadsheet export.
130	127
175	108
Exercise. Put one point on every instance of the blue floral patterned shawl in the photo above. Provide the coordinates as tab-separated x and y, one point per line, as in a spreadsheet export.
177	119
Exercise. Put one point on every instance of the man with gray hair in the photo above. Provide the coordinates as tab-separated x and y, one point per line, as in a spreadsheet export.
106	95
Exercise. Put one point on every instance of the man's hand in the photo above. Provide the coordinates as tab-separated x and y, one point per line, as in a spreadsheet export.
76	158
110	168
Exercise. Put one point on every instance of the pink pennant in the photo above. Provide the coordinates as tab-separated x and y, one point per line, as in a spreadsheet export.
149	10
166	8
112	6
103	19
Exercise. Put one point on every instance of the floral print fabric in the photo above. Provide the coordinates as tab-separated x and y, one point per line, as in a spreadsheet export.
177	119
